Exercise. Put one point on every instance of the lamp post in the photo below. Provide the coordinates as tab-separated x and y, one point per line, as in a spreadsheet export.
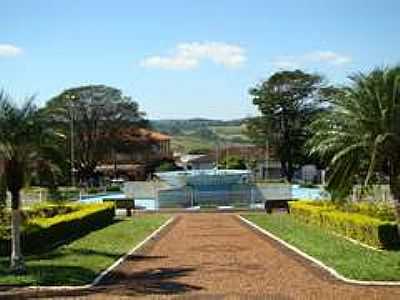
266	158
70	99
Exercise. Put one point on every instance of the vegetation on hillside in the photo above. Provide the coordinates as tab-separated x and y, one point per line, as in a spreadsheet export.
193	134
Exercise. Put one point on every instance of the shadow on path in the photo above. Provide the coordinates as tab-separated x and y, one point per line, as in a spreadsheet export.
162	281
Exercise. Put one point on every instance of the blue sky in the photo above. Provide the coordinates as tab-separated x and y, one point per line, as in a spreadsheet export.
181	60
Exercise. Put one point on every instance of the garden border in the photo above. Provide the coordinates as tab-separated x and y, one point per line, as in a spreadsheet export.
317	262
101	275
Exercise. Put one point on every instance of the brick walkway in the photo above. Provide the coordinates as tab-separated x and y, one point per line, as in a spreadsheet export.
214	256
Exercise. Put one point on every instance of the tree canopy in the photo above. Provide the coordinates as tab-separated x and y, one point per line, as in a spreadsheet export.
288	101
97	113
360	134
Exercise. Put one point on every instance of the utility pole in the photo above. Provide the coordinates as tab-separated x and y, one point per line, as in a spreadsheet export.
71	98
217	154
266	158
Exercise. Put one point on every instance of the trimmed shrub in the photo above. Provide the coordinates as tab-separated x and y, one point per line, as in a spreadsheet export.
363	228
380	210
41	233
48	210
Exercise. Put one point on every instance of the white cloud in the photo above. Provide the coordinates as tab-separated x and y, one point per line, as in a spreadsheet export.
177	63
7	50
322	57
189	56
328	57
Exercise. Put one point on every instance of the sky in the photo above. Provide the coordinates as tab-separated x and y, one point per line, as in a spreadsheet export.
184	59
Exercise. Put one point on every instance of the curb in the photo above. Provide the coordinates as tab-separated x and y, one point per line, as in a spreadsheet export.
98	277
317	262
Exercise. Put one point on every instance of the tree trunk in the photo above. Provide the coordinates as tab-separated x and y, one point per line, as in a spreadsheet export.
3	190
394	183
17	261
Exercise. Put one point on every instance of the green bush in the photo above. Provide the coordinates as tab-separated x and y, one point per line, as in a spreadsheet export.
113	188
233	162
40	233
93	190
166	166
48	210
363	228
380	210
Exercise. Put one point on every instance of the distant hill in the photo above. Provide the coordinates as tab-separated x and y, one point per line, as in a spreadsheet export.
200	133
171	125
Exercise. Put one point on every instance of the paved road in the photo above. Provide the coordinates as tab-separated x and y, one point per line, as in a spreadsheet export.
214	256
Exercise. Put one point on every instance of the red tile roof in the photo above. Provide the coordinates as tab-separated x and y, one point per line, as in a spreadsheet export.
142	135
157	136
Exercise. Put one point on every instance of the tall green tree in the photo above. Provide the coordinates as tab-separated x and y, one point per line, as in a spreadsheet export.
287	101
25	139
360	134
98	114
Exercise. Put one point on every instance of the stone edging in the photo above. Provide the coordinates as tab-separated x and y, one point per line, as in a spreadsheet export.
102	274
320	264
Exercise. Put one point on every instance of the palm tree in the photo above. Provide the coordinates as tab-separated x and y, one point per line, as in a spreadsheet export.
360	132
24	139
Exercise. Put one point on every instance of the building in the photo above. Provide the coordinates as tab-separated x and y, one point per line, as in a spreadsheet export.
197	161
263	164
140	148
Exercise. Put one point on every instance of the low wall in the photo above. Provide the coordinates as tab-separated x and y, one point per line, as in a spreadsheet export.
238	195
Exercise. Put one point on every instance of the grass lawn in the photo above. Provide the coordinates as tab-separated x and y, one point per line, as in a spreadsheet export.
350	260
79	262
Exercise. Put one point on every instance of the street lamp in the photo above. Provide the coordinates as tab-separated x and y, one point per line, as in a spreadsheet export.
266	158
70	100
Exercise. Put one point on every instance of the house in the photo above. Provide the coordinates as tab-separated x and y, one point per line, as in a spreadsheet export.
197	161
142	145
140	148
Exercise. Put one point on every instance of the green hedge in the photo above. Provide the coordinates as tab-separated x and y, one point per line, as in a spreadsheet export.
48	210
380	210
41	233
366	229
